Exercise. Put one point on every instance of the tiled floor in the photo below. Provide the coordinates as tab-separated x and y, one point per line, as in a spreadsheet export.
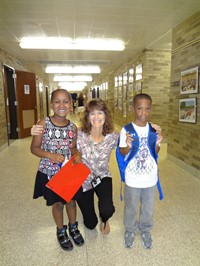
27	231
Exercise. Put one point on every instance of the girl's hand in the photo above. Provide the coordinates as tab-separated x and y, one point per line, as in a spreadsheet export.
37	130
57	158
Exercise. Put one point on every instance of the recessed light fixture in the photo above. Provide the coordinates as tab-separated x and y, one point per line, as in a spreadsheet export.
72	86
69	44
73	69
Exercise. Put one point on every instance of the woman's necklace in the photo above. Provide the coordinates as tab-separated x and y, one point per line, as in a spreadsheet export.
96	140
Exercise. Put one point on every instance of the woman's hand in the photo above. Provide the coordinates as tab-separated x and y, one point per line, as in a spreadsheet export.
37	130
77	157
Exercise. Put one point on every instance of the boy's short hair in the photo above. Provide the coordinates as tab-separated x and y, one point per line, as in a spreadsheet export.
140	96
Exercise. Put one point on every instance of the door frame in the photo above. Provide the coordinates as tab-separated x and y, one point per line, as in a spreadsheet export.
6	97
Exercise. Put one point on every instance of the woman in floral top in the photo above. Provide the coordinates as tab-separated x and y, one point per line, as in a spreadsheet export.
96	139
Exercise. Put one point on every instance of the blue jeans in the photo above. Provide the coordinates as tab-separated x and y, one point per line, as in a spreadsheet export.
144	198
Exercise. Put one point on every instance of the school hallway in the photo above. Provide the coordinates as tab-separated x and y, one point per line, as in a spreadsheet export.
28	232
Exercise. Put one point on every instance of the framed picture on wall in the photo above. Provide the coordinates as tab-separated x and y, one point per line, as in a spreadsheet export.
124	100
189	81
130	96
138	87
120	97
187	110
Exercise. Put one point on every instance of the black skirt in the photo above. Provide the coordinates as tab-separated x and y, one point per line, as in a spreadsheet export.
41	190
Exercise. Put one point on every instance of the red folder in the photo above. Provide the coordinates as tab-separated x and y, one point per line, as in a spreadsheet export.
68	179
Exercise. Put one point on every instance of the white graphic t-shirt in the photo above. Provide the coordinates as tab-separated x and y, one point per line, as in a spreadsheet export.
141	171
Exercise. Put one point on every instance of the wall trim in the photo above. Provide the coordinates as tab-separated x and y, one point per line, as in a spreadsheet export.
188	168
185	45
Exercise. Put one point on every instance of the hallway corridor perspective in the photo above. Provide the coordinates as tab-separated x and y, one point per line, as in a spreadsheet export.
28	232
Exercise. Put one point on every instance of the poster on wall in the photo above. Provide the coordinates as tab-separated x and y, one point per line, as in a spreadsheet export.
116	93
26	89
124	100
130	96
120	98
138	87
189	81
116	97
187	110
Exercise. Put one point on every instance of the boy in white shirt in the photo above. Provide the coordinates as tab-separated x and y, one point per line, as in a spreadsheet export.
141	173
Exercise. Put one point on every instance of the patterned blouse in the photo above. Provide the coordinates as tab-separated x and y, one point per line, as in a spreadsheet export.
96	156
56	139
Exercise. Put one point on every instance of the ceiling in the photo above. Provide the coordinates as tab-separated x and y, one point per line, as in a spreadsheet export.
139	23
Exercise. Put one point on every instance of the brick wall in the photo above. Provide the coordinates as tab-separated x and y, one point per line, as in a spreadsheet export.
155	82
184	138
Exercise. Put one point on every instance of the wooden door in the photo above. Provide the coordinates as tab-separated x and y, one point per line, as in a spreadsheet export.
26	102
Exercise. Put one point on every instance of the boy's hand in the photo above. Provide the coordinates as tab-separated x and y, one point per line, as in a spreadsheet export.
159	133
128	139
159	139
157	128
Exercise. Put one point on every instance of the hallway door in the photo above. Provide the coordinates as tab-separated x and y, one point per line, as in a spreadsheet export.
10	103
26	100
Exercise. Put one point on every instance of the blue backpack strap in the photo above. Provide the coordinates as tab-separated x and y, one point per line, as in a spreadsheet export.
129	127
152	137
122	163
121	166
161	195
121	159
155	155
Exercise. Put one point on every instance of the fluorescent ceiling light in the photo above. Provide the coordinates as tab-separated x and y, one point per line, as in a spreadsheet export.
44	43
69	44
72	86
72	78
73	69
97	44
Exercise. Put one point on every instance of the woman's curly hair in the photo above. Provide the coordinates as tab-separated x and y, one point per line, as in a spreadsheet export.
100	105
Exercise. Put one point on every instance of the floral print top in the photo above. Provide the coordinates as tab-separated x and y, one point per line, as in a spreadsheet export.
56	139
96	156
